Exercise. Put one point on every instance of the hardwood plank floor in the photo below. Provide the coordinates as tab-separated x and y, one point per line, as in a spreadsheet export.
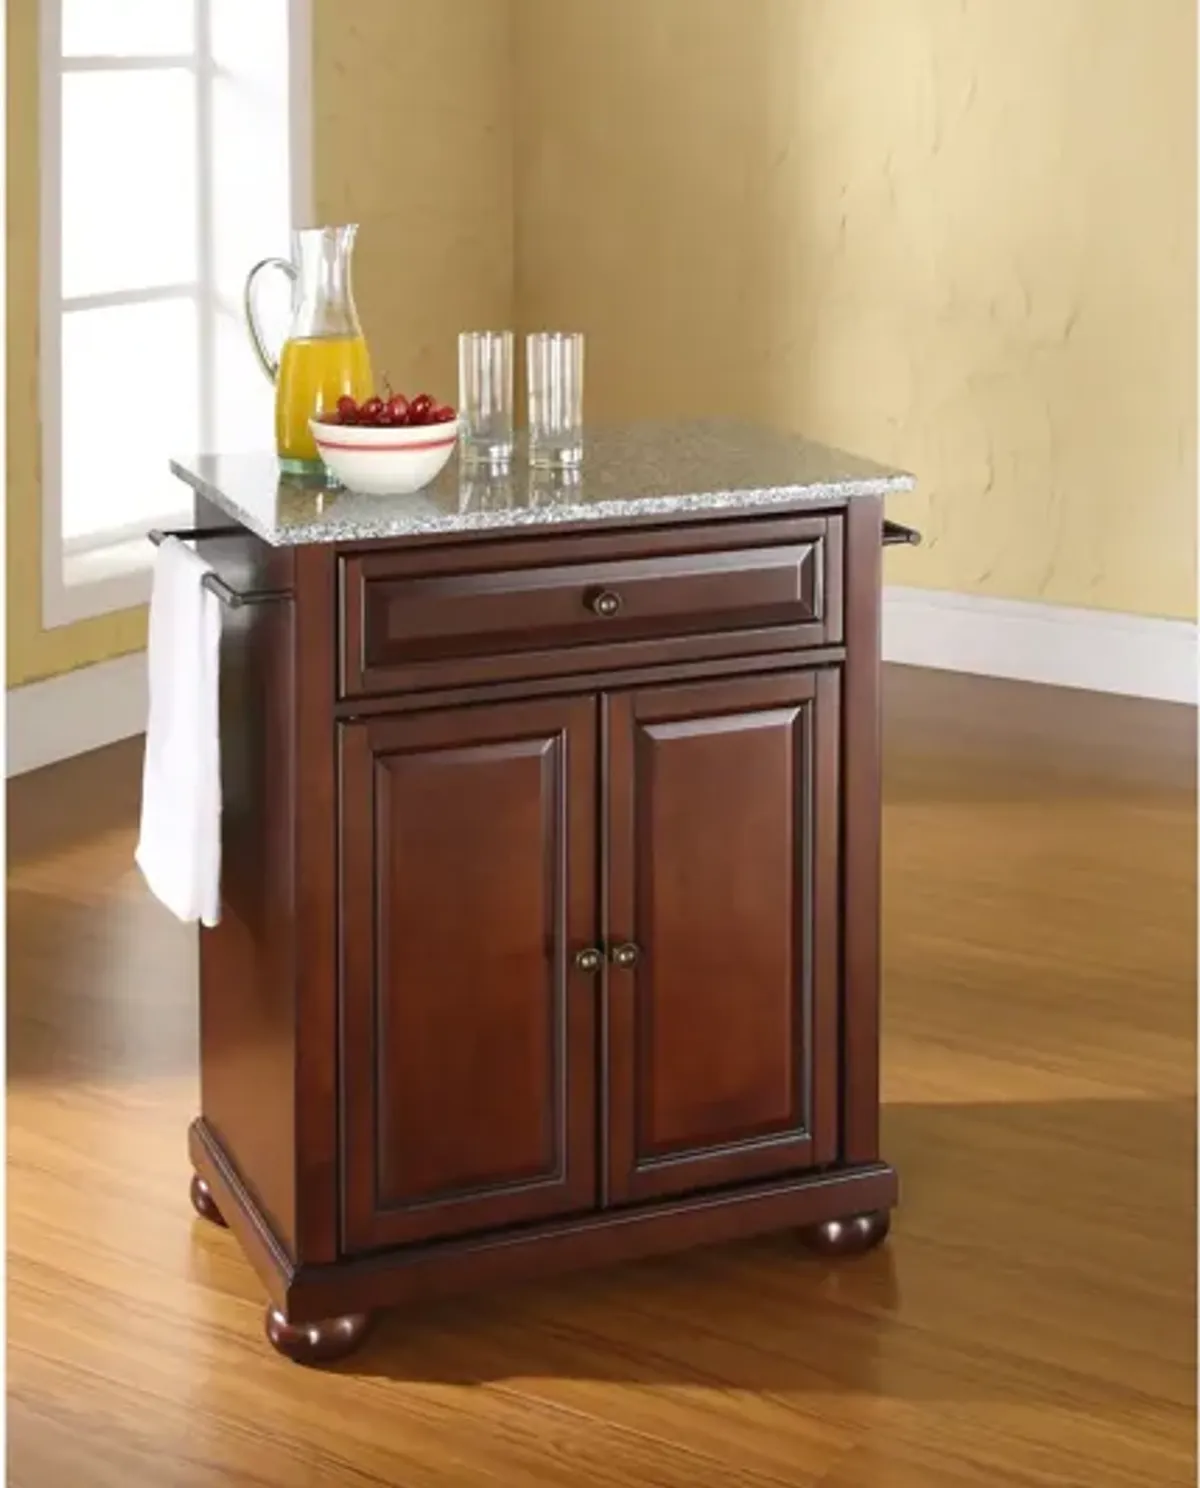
1031	1320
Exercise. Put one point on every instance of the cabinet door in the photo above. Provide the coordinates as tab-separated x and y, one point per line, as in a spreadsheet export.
722	876
468	1036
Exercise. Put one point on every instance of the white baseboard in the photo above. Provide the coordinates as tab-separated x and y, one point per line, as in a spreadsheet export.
68	715
1097	650
1092	649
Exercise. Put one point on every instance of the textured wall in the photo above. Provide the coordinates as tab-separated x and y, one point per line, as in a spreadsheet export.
956	234
413	139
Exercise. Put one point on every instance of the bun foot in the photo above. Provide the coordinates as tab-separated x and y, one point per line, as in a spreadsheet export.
848	1237
203	1202
316	1343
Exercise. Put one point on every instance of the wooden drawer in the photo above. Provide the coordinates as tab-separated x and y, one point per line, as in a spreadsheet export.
449	616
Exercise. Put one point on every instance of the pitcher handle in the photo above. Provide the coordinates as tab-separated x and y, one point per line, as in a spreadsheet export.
268	363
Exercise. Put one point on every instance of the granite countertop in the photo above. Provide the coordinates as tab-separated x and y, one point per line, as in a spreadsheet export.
629	472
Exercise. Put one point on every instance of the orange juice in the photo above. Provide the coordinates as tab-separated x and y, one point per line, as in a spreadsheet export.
314	372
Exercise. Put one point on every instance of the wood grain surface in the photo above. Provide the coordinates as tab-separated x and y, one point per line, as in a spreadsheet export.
1030	1320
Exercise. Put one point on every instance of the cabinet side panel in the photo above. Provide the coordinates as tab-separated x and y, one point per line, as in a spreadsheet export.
247	967
315	871
862	804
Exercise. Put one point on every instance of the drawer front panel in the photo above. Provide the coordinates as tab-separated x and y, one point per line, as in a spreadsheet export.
437	619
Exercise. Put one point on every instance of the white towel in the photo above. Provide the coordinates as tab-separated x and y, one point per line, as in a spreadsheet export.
179	847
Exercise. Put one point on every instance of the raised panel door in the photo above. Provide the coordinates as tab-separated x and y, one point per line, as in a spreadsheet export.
468	888
722	921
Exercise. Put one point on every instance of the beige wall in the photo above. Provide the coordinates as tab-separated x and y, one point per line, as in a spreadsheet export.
412	138
954	234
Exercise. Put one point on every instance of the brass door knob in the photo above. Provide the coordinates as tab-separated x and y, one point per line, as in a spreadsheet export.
625	956
606	605
589	960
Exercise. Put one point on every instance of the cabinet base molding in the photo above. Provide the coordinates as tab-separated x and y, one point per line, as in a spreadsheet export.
851	1202
233	1201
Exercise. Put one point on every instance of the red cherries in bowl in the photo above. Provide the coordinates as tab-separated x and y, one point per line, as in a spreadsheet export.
395	412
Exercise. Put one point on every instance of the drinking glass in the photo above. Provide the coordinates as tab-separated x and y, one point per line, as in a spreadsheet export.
553	485
555	374
485	395
486	487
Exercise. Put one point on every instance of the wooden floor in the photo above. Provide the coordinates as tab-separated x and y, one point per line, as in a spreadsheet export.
1030	1322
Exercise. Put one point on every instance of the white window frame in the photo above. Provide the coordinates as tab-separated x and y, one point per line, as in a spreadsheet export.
97	576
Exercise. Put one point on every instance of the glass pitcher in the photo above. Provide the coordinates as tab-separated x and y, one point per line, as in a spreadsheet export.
325	354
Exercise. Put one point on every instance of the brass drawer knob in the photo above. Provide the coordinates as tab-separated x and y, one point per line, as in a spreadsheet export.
625	956
607	604
589	961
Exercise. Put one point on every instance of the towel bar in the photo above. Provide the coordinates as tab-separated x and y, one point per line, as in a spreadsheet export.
894	533
233	598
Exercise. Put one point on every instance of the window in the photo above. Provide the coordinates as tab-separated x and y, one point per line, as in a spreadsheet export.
171	132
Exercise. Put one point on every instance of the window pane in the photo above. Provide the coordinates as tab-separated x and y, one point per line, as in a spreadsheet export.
128	28
251	205
244	401
129	402
251	147
128	180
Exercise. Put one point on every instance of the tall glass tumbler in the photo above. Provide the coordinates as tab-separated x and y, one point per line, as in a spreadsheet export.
555	374
485	396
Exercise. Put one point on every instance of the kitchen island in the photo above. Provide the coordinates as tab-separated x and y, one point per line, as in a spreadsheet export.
550	867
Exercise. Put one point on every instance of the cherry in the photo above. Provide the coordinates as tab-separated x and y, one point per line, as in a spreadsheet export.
420	409
443	415
347	408
397	408
371	410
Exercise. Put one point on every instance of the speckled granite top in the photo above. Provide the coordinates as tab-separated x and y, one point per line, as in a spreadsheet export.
628	472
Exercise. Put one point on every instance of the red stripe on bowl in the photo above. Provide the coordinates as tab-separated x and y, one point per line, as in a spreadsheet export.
368	449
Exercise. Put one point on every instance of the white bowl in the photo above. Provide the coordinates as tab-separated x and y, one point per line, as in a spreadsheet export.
385	462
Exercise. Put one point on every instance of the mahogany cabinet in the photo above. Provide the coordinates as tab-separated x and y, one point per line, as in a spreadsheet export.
719	917
469	1034
550	912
